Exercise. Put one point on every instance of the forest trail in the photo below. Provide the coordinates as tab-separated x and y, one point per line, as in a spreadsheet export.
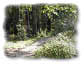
27	51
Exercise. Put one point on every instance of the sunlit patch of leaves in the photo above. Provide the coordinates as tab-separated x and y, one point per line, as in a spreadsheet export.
60	47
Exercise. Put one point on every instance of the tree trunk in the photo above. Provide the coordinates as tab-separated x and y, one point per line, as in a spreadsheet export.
27	22
34	19
39	18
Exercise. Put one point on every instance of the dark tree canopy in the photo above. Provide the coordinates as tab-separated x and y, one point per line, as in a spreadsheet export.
25	21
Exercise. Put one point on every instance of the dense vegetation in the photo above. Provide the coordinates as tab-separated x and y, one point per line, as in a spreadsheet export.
27	21
60	47
58	21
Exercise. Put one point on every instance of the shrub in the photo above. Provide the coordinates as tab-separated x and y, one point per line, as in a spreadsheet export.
60	47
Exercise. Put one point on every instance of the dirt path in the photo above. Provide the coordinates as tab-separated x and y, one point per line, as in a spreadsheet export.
28	50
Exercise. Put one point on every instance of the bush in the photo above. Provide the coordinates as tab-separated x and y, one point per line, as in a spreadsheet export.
59	47
21	35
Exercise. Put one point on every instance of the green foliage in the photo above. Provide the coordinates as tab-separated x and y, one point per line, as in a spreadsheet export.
21	35
63	16
26	21
57	50
60	47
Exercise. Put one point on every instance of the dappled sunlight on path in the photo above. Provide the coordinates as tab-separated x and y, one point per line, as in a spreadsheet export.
26	50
